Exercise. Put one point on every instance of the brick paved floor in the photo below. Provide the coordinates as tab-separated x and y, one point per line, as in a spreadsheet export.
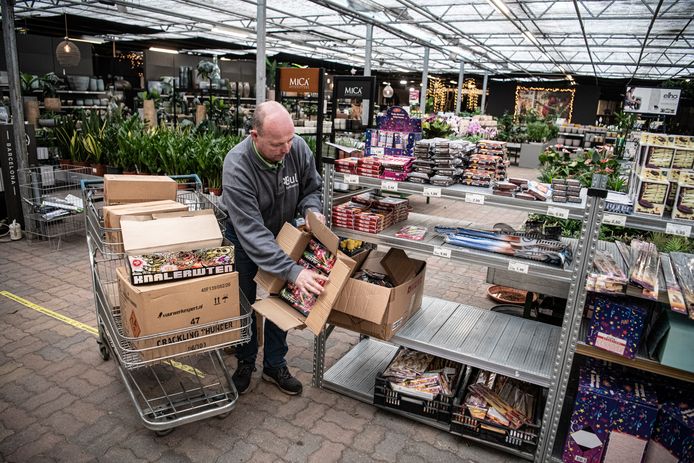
59	401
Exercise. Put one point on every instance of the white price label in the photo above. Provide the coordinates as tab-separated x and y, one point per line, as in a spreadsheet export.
442	252
389	185
352	179
431	192
518	267
474	198
378	150
558	212
613	219
678	229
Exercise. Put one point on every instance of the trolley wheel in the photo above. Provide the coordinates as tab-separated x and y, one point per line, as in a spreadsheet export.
103	345
163	432
221	416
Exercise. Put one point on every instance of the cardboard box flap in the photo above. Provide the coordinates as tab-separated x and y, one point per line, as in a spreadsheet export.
293	242
366	301
329	239
276	310
174	231
400	267
339	276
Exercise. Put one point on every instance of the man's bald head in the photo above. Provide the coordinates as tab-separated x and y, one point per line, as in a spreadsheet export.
270	112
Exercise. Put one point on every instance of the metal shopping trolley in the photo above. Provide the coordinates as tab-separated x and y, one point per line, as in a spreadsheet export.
168	390
52	203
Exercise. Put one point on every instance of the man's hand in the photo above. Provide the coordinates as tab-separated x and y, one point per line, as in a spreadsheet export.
310	282
319	216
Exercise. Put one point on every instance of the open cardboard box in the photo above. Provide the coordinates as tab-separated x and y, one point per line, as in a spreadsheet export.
294	241
376	310
125	189
113	214
173	231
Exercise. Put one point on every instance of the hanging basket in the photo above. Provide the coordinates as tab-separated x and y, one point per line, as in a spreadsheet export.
68	54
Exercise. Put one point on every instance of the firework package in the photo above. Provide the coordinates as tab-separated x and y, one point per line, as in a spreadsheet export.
422	375
385	290
370	213
159	314
317	259
318	250
517	245
160	267
612	420
498	400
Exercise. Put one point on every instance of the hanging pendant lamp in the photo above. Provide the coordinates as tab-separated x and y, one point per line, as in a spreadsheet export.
67	53
387	91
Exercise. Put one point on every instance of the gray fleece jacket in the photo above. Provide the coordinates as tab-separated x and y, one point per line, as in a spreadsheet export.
260	199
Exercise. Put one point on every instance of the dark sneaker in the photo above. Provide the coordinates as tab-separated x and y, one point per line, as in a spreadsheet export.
242	376
283	379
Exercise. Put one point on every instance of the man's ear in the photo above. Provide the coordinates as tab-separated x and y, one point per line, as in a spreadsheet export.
254	134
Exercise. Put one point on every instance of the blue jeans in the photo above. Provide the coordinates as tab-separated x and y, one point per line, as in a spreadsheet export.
275	339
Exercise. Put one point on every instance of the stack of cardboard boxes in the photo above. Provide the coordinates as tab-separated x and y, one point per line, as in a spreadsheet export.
170	307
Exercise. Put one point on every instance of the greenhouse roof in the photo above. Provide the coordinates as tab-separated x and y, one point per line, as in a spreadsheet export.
603	38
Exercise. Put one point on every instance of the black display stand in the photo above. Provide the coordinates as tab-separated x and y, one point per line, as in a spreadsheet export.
362	88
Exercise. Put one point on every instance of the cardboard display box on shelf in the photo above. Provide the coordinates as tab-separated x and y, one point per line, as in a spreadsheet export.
376	310
651	197
113	214
294	241
126	189
613	419
683	207
173	231
670	340
161	308
616	325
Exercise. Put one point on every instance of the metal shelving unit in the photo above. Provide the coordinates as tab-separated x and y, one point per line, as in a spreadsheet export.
471	194
512	346
521	348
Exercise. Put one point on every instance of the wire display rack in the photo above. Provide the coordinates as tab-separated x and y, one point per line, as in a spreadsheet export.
52	202
165	391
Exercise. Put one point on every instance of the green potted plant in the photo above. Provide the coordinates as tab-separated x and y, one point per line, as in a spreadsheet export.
208	70
49	85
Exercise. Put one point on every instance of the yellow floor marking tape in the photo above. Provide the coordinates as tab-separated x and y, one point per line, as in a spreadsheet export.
87	328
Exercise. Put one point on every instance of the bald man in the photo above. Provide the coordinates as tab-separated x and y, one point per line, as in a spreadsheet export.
269	178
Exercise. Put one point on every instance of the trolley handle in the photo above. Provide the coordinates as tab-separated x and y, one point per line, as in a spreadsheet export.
193	177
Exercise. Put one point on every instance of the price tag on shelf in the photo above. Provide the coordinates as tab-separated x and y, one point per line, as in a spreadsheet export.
375	150
614	219
389	185
351	179
518	267
431	192
678	229
558	212
442	252
474	198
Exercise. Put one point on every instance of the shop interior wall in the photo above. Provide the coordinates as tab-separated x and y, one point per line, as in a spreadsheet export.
36	54
502	97
163	64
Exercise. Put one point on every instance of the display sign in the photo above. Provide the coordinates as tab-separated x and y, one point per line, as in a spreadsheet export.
651	100
9	165
304	80
354	89
414	96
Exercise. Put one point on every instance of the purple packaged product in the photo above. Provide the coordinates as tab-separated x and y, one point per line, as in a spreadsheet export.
617	326
612	419
673	436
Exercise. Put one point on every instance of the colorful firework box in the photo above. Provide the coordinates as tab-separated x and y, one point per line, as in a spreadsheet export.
318	259
617	326
166	267
673	437
347	165
612	419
